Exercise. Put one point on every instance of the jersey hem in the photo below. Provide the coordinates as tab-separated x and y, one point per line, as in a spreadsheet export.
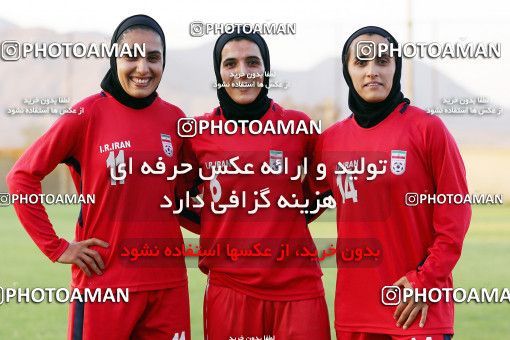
267	297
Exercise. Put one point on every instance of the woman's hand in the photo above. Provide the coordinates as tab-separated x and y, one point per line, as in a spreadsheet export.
78	253
407	311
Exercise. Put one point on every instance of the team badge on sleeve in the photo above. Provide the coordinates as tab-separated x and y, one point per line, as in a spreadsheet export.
398	162
167	145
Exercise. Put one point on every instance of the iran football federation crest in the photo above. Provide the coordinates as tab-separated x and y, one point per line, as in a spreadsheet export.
398	162
276	161
167	145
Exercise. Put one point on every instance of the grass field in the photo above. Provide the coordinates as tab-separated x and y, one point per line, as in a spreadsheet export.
484	263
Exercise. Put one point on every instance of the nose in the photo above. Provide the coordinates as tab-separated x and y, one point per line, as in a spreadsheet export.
142	66
372	69
243	69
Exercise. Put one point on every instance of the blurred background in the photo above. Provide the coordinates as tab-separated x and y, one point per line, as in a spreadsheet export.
309	62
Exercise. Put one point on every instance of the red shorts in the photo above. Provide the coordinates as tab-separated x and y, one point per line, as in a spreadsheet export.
155	314
373	336
229	314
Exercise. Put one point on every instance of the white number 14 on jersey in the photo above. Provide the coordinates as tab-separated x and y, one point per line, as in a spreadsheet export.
346	185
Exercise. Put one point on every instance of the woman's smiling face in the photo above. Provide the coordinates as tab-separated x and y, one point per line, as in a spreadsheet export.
140	76
372	79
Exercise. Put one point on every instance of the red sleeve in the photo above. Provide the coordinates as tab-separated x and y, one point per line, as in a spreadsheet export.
188	182
311	185
450	221
56	145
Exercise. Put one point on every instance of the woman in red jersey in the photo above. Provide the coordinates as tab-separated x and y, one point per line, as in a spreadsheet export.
378	161
127	120
259	297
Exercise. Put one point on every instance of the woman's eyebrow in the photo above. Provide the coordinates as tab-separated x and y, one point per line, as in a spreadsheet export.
229	59
247	58
133	51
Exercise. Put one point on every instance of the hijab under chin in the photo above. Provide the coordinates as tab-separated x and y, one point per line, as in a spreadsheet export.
110	82
370	114
232	110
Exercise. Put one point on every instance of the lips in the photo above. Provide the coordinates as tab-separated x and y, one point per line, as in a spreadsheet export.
140	81
373	84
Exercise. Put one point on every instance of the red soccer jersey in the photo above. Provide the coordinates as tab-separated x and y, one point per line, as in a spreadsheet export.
126	212
273	227
422	242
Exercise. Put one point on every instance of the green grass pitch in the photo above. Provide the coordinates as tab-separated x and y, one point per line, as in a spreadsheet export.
484	263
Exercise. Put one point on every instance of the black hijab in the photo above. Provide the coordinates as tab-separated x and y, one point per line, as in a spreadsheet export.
111	82
370	114
231	109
